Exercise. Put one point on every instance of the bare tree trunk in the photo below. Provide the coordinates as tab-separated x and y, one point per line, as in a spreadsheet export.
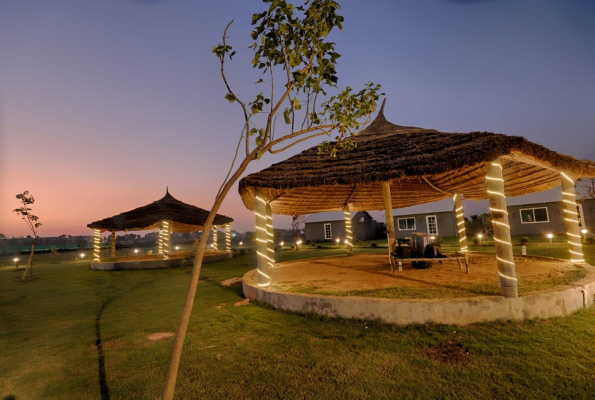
174	364
30	263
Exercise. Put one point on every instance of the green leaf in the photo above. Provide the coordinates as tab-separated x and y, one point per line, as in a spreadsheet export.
230	97
286	117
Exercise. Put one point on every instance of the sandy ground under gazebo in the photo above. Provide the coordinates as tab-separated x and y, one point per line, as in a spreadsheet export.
370	275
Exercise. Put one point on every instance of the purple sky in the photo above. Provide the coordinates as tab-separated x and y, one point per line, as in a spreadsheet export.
104	103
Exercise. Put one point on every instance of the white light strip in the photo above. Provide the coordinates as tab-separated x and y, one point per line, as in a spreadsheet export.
572	234
576	244
571	212
506	277
459	209
570	202
265	256
460	223
261	200
497	193
491	178
567	177
569	194
498	210
501	224
502	241
462	230
576	253
497	165
504	261
461	239
576	261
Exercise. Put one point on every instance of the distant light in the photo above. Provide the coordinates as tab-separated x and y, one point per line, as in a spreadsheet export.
338	240
233	235
82	255
299	242
346	241
177	247
136	251
432	237
281	244
584	231
241	243
16	259
549	236
480	236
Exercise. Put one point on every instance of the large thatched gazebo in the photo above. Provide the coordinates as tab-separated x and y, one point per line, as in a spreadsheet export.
167	214
396	166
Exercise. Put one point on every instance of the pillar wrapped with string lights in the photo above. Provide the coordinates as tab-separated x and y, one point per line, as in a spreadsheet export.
262	257
228	237
390	222
165	239
575	246
462	234
270	235
348	230
215	239
502	239
96	244
113	244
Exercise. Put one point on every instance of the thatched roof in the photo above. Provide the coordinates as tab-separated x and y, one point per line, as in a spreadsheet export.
184	217
422	165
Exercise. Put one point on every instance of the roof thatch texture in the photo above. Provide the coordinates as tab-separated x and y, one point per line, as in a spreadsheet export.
422	165
184	217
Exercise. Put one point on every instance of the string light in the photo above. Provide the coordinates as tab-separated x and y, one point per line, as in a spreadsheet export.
499	210
166	239
349	239
96	244
566	177
264	223
491	178
496	193
215	239
506	276
228	237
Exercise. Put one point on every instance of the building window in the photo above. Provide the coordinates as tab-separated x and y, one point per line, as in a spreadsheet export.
328	233
432	224
406	224
534	215
361	219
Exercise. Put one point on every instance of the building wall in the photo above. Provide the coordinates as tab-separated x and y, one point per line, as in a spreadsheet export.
446	224
365	230
556	224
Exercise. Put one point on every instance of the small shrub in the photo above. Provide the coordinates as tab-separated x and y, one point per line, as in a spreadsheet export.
374	245
524	240
476	241
319	246
591	240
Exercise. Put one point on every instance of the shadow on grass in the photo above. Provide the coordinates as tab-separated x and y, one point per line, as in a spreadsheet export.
103	387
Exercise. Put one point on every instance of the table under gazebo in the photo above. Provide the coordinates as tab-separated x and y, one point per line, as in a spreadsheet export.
396	166
167	215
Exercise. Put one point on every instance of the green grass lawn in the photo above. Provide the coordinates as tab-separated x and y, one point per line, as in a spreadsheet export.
50	328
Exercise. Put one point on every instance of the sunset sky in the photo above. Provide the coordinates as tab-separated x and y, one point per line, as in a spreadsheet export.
105	103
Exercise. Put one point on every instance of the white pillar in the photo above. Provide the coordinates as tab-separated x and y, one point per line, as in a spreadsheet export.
348	230
504	255
96	244
228	237
390	222
270	235
460	224
571	219
160	242
260	211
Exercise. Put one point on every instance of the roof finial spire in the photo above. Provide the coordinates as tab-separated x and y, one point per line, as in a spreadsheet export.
381	112
167	190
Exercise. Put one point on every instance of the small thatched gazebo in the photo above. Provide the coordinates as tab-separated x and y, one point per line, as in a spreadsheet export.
397	166
167	214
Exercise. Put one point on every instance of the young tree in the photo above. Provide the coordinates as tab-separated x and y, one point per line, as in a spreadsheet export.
298	64
32	222
297	221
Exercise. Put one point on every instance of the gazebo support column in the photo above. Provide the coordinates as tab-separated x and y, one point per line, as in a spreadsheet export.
348	230
502	239
270	235
260	211
390	222
460	224
96	245
215	239
164	239
113	244
571	219
228	237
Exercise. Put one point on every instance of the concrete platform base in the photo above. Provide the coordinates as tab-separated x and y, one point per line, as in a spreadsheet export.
126	264
561	301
